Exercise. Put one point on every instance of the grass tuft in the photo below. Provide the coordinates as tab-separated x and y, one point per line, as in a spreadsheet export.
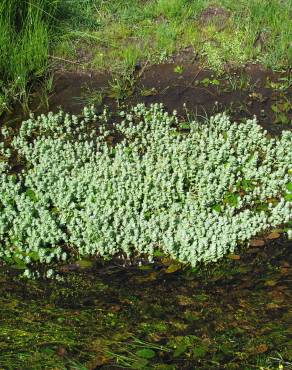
25	28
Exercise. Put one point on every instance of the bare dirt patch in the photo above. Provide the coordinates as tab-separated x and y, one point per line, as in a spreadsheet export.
216	16
186	87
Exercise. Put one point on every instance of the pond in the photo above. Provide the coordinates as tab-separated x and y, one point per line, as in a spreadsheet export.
162	315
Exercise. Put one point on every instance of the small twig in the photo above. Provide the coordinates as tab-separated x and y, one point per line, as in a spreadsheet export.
143	69
192	81
195	77
64	60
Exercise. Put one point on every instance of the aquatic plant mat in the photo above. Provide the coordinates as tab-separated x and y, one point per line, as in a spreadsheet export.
163	314
151	183
232	315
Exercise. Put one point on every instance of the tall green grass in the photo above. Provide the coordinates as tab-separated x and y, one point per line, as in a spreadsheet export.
25	26
115	35
118	32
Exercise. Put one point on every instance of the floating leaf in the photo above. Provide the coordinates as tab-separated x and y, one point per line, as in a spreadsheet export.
274	201
185	125
217	208
146	353
34	256
150	277
281	118
19	266
145	267
31	194
247	184
273	235
200	351
234	256
167	261
18	263
84	264
202	297
288	197
271	283
55	210
262	207
180	349
179	69
278	231
173	268
149	92
232	199
285	106
257	243
165	367
275	108
158	253
206	81
289	186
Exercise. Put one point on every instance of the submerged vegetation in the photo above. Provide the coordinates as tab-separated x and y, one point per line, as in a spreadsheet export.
232	315
194	191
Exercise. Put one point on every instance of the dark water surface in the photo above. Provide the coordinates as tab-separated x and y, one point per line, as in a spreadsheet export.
233	315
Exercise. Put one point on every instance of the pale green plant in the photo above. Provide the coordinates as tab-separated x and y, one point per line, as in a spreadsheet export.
194	195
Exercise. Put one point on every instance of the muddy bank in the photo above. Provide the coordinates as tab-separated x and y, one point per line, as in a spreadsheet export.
242	94
187	88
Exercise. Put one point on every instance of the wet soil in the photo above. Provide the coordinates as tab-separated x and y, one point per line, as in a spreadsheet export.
186	87
242	94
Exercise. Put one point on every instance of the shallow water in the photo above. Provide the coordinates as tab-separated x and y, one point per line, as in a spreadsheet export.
232	315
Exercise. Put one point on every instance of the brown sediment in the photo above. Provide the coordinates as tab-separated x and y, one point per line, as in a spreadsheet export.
195	90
